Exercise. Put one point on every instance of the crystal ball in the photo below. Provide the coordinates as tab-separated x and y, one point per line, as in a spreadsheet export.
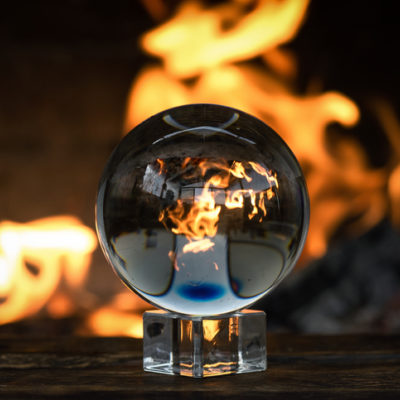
202	210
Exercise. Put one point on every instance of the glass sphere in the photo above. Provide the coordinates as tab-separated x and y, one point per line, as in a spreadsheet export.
202	210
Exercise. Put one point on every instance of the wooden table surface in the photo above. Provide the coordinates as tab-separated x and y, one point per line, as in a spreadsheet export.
299	367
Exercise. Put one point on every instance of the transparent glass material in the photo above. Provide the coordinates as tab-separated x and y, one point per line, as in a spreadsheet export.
202	210
206	346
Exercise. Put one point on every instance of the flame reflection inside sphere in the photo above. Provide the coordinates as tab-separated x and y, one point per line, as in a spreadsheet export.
202	209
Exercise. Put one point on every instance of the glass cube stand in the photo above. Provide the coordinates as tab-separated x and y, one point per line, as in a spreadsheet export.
202	347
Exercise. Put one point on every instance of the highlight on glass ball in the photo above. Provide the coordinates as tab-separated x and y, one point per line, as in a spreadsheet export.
202	210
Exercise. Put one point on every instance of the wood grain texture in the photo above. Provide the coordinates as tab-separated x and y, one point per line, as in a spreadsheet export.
299	367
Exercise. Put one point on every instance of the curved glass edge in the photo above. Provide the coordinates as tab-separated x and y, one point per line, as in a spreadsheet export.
99	216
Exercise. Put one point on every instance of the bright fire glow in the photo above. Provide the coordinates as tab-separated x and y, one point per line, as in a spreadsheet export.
198	221
195	40
198	246
33	259
195	44
110	321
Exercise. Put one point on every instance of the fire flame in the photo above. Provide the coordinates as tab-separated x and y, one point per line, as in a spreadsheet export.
215	46
195	44
121	317
195	39
34	257
200	222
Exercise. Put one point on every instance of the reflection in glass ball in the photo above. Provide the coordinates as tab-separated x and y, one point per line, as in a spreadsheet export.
202	210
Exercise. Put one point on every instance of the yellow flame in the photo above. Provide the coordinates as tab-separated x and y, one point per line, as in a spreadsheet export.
195	40
109	321
55	246
194	43
211	329
199	221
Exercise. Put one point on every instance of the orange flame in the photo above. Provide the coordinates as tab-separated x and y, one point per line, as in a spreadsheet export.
161	163
195	40
121	317
36	256
200	222
194	44
33	258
